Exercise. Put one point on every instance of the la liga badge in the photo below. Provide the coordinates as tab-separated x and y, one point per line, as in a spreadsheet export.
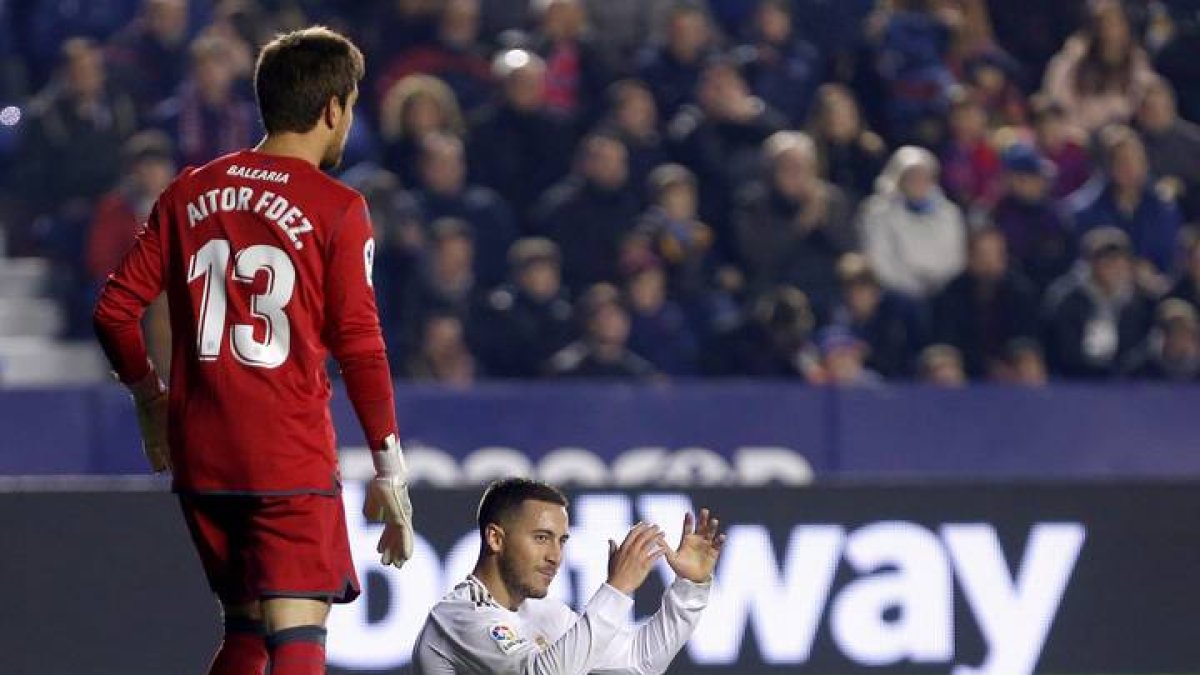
506	637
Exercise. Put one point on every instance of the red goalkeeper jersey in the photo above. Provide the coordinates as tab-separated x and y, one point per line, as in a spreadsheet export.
266	263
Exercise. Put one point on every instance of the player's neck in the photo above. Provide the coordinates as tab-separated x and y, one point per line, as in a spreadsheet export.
297	146
489	576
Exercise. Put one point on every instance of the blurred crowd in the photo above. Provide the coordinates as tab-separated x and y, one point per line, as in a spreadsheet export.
843	193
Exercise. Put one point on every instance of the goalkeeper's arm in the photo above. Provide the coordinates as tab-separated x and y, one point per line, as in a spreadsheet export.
137	281
369	386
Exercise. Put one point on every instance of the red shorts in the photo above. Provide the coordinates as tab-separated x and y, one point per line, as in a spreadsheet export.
257	547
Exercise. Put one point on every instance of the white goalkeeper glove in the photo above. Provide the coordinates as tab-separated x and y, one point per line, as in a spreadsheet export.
387	502
150	399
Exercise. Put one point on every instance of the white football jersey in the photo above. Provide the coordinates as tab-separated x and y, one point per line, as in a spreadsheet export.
468	632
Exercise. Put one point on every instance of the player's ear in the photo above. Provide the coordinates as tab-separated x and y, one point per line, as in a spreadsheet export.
493	538
332	112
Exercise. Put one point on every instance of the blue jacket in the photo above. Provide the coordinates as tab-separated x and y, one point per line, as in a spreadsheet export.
1153	227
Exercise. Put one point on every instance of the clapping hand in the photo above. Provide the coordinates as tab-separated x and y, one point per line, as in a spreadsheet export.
699	548
631	561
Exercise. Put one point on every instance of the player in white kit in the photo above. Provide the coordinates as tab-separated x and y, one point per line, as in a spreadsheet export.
498	621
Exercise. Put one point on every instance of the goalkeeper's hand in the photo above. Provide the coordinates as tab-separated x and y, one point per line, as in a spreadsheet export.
387	502
150	399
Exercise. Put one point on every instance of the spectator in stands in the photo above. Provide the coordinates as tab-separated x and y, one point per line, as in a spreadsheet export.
413	107
150	55
148	167
633	117
445	193
1127	198
774	341
792	227
589	213
971	36
400	243
720	139
1095	317
453	56
243	26
1187	286
46	26
445	279
852	155
913	235
941	366
530	318
74	123
671	231
443	355
659	330
1101	73
781	68
1024	364
518	146
622	28
843	360
910	60
209	115
385	31
986	307
672	70
978	61
889	324
993	81
1172	145
970	165
603	351
576	72
703	213
1171	352
1061	143
1039	238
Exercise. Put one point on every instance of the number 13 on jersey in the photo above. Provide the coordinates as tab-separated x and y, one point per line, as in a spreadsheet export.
210	265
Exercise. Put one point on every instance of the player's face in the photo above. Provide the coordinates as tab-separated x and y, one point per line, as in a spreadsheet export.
337	145
533	548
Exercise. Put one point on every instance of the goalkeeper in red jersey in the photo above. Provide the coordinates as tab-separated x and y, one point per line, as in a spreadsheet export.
266	264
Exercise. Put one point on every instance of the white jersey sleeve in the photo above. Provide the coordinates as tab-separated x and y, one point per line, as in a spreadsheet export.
649	649
467	633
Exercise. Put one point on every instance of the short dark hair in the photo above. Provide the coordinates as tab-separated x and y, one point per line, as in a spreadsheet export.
854	268
298	72
1112	137
147	145
530	250
504	496
449	227
597	297
1105	241
666	177
619	92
